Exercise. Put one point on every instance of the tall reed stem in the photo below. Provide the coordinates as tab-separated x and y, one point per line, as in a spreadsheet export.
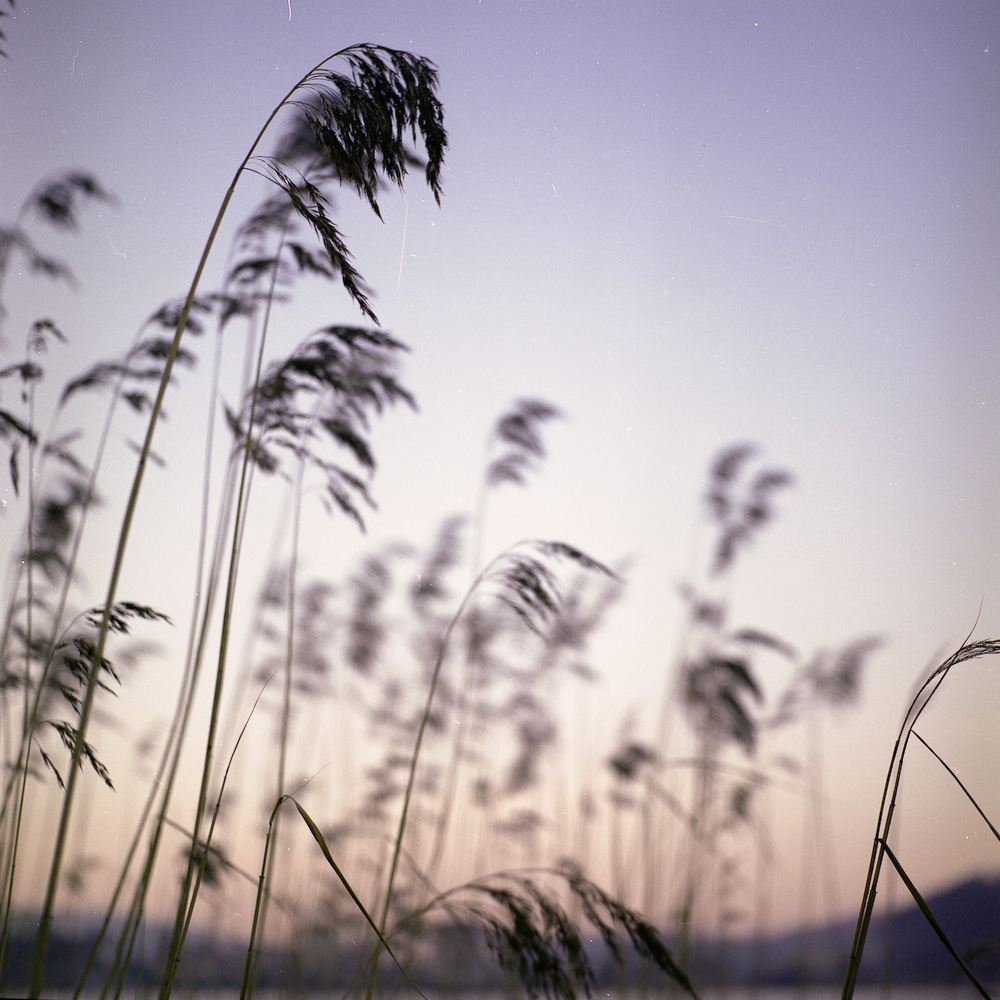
188	896
55	869
923	697
414	760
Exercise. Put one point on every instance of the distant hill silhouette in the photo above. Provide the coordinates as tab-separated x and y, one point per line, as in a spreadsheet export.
903	947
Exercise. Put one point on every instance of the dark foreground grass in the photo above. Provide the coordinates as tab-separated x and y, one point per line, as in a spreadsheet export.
353	117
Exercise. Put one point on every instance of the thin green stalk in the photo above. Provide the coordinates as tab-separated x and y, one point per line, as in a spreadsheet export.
528	584
202	851
82	187
249	973
812	826
27	723
468	675
928	914
923	697
466	690
10	868
246	989
55	870
68	575
188	894
958	781
414	760
30	716
286	703
164	779
170	759
30	561
699	829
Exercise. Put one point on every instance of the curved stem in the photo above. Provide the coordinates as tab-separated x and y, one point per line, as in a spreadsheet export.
923	697
286	703
424	719
188	897
55	869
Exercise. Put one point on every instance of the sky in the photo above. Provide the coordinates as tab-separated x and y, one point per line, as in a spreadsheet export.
686	225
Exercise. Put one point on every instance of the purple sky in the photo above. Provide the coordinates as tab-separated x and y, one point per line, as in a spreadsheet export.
686	224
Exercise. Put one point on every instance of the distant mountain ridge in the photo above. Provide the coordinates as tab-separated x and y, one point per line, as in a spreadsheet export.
901	946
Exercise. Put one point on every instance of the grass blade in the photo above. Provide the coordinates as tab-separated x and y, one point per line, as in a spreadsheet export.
932	920
324	847
958	781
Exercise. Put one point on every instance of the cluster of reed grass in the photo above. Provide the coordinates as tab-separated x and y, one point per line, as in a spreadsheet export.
696	812
721	811
306	418
432	658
